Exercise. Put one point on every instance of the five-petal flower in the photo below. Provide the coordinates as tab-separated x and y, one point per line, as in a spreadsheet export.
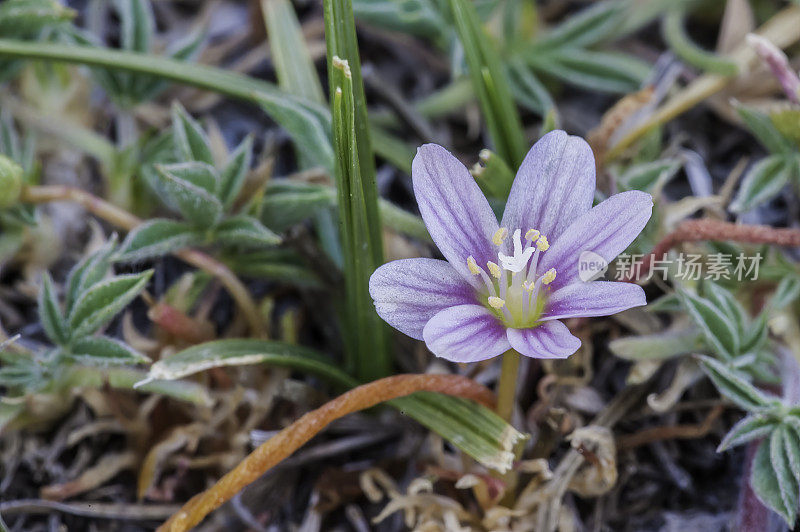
506	285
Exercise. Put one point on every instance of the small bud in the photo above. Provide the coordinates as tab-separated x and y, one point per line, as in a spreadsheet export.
10	182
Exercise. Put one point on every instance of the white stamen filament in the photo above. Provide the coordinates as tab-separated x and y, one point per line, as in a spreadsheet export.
513	288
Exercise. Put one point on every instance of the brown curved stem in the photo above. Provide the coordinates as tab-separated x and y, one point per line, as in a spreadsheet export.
701	230
127	221
292	437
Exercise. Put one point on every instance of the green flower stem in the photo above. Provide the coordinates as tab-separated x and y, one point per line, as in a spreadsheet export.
125	220
507	387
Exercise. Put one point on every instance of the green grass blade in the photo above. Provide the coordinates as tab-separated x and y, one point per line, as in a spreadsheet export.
308	123
293	63
490	84
359	221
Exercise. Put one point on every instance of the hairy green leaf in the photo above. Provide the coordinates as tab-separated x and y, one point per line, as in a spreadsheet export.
158	237
735	386
243	230
749	428
233	175
90	270
99	304
191	141
53	322
766	486
104	351
764	130
718	329
763	182
787	483
191	187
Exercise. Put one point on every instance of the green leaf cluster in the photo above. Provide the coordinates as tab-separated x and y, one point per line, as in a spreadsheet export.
203	195
775	471
92	298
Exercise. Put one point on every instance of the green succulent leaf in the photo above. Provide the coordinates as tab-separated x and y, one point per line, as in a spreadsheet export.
718	329
764	181
53	322
191	141
767	486
100	303
191	188
762	127
104	351
287	203
243	230
749	428
233	175
648	176
735	386
156	238
90	270
787	483
728	304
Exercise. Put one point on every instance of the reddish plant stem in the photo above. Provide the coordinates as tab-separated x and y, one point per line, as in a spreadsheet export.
706	229
292	437
127	221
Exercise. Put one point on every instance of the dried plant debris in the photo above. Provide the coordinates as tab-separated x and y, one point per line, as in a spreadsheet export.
351	265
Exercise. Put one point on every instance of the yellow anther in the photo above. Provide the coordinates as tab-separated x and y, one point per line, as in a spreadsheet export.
542	244
532	235
496	302
549	276
499	236
528	285
474	269
494	269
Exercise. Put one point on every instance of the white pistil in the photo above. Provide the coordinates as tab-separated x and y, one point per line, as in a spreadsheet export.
513	285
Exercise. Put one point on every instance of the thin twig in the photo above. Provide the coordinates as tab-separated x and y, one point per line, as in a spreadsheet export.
670	432
283	444
125	220
708	229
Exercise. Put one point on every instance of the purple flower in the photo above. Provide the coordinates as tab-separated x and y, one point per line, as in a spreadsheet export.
506	285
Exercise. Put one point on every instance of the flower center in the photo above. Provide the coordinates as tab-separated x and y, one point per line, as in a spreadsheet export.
513	290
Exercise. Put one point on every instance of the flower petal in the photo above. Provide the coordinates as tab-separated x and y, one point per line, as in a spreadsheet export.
551	339
455	210
606	230
409	292
597	298
466	333
554	185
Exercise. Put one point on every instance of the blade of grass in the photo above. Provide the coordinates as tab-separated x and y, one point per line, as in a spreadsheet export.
490	84
366	339
293	63
307	122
